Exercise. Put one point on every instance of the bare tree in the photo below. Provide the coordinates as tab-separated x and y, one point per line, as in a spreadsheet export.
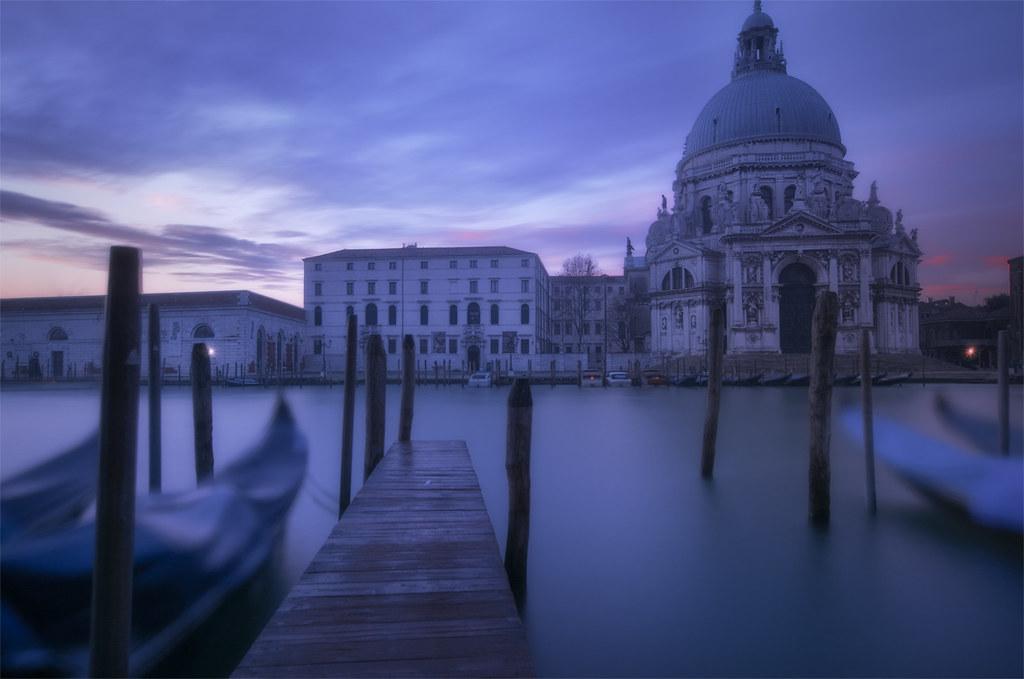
578	272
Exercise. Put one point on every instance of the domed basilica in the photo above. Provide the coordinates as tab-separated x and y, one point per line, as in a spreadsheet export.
762	216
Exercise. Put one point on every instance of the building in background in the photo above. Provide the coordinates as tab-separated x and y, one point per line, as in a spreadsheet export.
586	312
966	335
1016	311
762	217
61	337
472	306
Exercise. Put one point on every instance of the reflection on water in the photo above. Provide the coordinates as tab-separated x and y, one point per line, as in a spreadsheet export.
637	567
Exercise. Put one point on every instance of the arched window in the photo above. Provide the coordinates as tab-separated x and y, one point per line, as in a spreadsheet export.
677	278
202	331
766	196
349	311
688	279
788	196
371	314
705	214
524	314
318	316
473	314
495	314
57	334
424	315
392	315
453	315
666	282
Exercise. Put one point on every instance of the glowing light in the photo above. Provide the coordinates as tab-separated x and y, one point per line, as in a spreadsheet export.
970	352
211	351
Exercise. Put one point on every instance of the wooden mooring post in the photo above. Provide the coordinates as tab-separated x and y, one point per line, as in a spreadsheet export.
376	382
348	417
155	380
408	389
823	350
579	373
517	467
552	374
1003	358
111	612
715	350
202	411
869	430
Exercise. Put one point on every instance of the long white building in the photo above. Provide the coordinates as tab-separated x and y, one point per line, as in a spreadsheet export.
61	337
470	306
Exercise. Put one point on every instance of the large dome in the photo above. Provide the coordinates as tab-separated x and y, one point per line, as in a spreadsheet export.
761	105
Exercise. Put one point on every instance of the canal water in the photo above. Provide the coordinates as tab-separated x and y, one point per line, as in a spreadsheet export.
638	567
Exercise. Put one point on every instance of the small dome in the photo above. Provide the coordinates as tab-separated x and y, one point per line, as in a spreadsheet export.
757	20
763	105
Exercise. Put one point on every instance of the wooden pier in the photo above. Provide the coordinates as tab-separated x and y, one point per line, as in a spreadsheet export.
409	583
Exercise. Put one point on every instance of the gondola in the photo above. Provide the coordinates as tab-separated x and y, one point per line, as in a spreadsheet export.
886	380
981	433
846	380
987	488
798	380
742	381
775	379
50	495
685	381
192	550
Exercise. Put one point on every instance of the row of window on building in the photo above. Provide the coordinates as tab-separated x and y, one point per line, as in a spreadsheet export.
557	304
370	316
450	345
424	264
371	287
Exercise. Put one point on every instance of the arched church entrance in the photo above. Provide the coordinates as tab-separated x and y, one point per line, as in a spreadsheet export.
796	308
473	358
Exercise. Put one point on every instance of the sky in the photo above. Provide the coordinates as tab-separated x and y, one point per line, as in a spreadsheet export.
229	140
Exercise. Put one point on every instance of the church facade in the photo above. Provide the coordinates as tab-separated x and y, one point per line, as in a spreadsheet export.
762	217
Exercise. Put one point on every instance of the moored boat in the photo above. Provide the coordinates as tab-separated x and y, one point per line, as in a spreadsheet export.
775	379
191	551
798	380
887	380
989	489
742	381
51	494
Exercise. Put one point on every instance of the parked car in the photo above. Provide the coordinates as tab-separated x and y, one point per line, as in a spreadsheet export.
618	379
592	378
479	380
656	379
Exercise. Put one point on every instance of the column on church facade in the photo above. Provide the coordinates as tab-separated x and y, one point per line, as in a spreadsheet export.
737	290
865	289
833	272
771	311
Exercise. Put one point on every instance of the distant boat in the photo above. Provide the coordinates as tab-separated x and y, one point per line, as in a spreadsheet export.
989	489
846	380
798	380
742	381
192	550
50	495
886	380
775	379
685	381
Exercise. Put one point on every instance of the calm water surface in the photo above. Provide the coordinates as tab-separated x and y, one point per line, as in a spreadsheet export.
637	567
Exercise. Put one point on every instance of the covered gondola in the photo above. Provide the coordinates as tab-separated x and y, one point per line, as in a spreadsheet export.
192	549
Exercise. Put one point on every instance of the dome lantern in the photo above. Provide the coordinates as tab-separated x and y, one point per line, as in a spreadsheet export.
756	45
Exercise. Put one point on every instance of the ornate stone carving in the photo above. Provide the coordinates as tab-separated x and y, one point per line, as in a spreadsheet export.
818	202
751	270
849	268
849	302
753	303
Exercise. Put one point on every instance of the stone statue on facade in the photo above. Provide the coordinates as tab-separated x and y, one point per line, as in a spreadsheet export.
725	210
818	202
629	247
758	208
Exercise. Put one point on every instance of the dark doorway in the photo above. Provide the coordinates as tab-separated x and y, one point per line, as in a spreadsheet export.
473	358
57	362
796	308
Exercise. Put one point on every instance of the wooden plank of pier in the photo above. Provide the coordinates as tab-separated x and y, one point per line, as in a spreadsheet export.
409	583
